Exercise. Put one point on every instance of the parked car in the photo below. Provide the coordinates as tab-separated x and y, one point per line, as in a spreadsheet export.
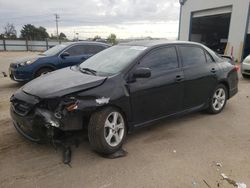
60	56
245	67
124	87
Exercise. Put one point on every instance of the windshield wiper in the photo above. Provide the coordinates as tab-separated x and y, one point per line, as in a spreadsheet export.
88	70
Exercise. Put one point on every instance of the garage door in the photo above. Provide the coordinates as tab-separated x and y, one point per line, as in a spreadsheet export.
210	12
211	27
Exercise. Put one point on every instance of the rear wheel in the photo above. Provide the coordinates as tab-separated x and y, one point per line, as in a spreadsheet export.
218	100
42	71
107	130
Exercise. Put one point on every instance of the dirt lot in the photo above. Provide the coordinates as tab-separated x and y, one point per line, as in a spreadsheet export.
175	153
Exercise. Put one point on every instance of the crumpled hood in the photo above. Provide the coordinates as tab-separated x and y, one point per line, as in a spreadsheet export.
62	82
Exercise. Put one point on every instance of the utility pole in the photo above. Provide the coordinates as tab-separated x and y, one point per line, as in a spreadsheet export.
57	18
182	2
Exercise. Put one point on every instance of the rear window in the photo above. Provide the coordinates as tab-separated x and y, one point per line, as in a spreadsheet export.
192	55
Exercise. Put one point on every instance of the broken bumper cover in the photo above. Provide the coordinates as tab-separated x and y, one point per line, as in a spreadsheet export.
32	127
41	126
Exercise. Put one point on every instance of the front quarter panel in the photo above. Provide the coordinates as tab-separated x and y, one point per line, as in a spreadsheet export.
51	61
112	93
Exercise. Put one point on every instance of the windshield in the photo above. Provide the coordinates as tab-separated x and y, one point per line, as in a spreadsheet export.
112	60
54	50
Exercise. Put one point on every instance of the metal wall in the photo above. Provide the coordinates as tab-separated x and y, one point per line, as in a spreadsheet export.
25	45
238	24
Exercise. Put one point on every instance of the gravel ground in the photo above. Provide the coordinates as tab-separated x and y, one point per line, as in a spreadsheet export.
179	152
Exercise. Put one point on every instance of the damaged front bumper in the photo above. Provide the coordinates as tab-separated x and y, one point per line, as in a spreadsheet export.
43	126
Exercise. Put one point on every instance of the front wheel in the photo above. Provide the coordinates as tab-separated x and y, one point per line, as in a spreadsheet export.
107	130
218	100
42	71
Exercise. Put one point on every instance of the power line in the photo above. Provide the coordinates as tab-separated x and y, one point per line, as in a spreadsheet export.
57	18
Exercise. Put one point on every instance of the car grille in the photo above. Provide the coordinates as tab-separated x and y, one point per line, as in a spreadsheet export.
21	108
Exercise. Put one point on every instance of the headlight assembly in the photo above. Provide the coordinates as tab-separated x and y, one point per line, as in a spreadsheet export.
27	62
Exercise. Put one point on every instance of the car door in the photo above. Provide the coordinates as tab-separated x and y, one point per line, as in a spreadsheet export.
162	93
77	54
200	75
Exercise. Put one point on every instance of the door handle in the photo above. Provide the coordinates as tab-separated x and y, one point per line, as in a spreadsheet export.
179	78
213	70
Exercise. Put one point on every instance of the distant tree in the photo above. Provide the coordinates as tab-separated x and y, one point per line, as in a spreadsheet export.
53	37
112	39
31	32
97	37
28	32
1	36
41	33
62	36
9	31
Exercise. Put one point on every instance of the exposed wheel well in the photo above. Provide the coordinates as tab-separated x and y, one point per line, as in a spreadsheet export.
44	67
114	106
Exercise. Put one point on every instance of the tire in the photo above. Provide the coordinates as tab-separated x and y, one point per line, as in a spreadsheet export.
218	100
43	71
106	135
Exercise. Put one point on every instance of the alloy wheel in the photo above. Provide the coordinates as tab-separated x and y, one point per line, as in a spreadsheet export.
219	99
114	129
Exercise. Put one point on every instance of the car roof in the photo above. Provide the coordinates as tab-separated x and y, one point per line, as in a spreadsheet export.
153	43
150	44
86	42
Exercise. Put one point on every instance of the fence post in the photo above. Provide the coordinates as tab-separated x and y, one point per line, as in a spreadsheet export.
26	44
4	45
47	43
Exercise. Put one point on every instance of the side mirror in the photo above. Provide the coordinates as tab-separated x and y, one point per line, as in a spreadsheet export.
64	54
142	72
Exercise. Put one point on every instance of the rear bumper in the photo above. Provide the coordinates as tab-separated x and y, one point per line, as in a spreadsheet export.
233	92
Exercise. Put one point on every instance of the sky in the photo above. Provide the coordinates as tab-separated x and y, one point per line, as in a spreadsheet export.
88	18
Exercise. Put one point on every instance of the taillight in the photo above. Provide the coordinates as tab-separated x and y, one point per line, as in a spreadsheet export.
236	68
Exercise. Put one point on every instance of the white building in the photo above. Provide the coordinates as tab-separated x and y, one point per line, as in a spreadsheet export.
222	25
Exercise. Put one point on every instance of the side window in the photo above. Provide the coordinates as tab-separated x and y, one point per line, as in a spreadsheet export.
94	49
209	58
192	55
160	59
77	50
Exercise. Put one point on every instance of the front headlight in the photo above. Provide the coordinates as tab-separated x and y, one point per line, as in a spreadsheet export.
27	62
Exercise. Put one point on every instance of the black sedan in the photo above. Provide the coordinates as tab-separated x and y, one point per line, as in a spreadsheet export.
123	87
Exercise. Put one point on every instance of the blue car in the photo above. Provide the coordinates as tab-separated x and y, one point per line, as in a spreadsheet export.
60	56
